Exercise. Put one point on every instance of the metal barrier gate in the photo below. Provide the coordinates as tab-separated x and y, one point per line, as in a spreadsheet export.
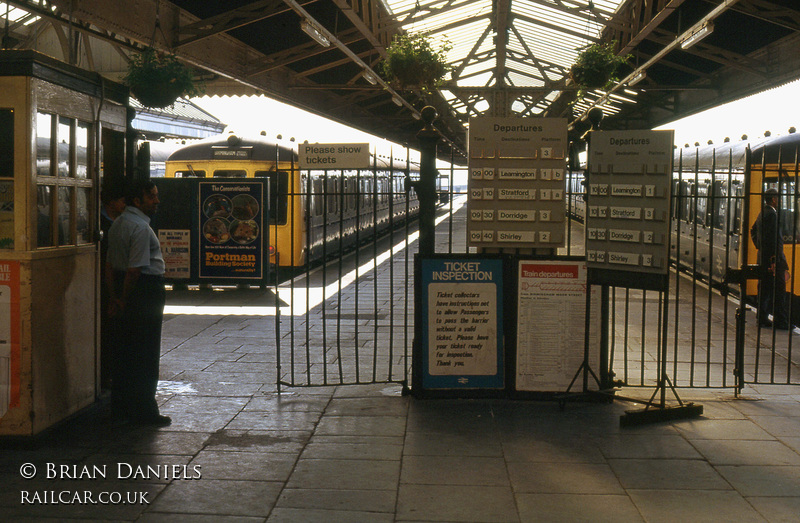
349	319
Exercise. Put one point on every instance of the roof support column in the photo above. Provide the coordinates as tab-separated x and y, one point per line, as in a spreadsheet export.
500	99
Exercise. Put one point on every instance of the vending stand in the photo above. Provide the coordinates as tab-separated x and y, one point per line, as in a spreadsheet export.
61	130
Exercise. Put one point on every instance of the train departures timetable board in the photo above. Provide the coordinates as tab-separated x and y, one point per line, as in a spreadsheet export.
517	178
628	208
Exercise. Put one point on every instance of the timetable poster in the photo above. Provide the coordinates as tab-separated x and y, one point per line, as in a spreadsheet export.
463	304
231	230
175	248
551	322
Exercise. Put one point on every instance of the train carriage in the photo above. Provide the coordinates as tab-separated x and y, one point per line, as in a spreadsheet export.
314	214
709	187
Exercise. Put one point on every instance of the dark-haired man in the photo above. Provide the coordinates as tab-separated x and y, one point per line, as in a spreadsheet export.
135	269
772	263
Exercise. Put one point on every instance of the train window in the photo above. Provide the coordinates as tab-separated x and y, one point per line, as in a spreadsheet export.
331	194
192	173
278	195
790	230
44	153
316	198
684	201
701	205
720	205
230	173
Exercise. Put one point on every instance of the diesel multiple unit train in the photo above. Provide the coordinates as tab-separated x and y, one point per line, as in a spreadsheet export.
312	214
713	186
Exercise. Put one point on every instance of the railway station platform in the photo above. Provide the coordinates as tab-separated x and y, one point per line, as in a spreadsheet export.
239	451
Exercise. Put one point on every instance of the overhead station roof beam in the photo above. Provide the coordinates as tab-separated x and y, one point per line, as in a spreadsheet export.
767	11
230	20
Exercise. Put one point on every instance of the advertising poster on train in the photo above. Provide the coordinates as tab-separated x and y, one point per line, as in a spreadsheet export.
10	334
231	230
463	305
551	324
176	249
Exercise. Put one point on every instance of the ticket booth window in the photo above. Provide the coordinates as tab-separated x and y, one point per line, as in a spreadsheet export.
64	181
6	178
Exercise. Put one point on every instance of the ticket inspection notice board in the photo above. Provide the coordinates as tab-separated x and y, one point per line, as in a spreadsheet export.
459	325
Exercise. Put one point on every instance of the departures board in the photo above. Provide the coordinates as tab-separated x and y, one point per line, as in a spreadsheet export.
517	173
628	187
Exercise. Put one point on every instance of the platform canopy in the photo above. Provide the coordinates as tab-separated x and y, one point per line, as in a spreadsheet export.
509	57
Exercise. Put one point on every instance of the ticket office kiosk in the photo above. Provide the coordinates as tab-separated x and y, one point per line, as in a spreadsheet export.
61	129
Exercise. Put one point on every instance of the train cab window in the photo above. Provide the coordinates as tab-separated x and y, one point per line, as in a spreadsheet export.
192	173
230	173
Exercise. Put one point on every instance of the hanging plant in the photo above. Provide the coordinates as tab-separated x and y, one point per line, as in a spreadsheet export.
412	64
598	67
157	79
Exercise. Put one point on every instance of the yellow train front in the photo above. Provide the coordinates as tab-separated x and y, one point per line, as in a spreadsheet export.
313	214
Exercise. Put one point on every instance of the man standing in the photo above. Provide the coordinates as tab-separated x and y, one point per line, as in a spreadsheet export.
772	263
135	272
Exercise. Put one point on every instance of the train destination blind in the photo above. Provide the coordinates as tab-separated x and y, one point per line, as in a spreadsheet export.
628	198
516	182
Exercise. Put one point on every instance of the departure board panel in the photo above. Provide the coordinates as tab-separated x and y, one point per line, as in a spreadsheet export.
628	206
517	170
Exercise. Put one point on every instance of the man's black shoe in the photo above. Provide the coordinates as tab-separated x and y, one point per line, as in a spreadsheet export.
765	323
783	326
157	421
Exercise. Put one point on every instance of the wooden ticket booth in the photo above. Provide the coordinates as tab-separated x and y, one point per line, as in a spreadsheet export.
62	130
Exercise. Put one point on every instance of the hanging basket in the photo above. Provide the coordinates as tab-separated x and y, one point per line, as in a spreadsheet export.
598	67
157	80
157	96
412	64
